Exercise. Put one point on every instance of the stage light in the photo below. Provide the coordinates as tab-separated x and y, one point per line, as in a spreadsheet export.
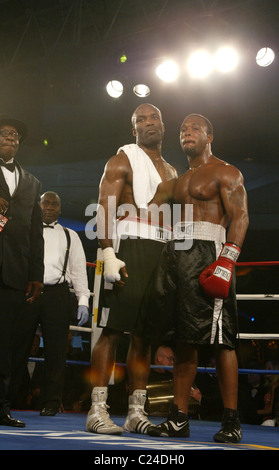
141	90
226	59
200	64
123	58
265	57
114	89
47	142
167	71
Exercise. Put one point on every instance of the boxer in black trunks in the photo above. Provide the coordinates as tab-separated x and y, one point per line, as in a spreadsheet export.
200	279
121	271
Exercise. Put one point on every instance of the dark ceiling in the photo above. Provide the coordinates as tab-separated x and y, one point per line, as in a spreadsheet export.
57	55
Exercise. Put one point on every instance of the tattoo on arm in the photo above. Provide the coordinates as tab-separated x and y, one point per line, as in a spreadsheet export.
235	195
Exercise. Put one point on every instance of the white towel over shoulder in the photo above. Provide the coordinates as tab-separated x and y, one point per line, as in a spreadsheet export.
145	176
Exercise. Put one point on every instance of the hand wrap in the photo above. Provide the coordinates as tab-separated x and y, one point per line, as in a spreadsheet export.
112	265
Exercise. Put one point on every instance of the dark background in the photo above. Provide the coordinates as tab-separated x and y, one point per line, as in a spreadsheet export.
56	58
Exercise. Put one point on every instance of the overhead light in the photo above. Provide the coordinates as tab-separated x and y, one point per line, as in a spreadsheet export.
114	88
123	59
167	71
141	90
265	57
47	142
226	59
200	64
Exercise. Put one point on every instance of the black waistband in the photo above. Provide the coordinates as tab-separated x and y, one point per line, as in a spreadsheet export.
62	285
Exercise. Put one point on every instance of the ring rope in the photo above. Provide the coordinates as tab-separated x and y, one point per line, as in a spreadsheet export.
263	336
257	296
257	263
238	297
239	263
239	336
209	370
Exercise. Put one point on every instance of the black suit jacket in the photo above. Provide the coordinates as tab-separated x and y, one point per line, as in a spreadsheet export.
21	240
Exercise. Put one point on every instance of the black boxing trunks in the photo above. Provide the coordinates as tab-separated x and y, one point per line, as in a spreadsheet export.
178	301
139	245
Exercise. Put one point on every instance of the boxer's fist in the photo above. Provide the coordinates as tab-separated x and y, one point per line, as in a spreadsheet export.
112	265
216	278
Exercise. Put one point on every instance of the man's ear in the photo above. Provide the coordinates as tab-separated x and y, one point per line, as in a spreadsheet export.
134	132
209	138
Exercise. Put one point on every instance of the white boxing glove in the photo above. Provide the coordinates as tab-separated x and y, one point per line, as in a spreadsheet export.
112	265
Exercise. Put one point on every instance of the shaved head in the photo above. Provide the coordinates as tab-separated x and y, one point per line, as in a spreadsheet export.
141	109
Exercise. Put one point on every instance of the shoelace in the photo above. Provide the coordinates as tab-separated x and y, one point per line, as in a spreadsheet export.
100	410
140	413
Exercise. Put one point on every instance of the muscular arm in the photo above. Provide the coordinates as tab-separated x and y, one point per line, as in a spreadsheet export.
165	192
110	191
234	200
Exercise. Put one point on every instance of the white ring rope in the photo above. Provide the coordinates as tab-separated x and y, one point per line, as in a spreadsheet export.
239	297
257	296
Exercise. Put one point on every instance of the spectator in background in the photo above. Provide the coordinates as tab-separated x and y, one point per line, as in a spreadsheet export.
206	393
160	382
271	396
251	395
163	356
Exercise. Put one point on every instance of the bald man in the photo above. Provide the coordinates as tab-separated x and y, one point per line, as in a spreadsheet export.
136	179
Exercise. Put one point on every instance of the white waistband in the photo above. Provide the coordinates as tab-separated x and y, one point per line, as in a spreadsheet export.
199	231
132	227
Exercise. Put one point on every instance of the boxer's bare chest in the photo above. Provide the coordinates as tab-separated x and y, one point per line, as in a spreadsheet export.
197	185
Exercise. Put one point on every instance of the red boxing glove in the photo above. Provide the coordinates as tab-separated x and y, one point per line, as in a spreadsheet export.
216	278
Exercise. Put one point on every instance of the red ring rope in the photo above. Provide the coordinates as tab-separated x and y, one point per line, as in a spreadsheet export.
258	263
243	263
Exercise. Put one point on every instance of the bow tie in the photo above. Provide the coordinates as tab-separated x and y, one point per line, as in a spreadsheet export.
48	226
9	166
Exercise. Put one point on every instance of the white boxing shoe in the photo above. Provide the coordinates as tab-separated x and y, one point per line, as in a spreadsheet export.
136	420
98	420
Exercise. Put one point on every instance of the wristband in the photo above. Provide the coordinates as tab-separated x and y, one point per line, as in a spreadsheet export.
231	252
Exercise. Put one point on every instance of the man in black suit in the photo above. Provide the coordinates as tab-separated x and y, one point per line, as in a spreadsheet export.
21	248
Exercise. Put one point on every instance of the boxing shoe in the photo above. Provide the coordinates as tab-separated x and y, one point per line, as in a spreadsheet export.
177	425
48	411
216	278
231	430
136	420
98	420
8	420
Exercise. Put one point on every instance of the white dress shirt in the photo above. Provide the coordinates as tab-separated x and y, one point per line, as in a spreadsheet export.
11	178
54	257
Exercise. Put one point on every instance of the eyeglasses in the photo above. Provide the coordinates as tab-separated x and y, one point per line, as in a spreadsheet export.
6	133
